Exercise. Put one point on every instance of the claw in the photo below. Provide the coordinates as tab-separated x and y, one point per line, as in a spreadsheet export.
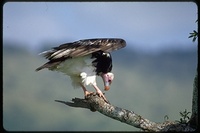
100	94
87	93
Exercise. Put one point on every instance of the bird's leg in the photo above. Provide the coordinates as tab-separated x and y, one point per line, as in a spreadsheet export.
86	93
99	92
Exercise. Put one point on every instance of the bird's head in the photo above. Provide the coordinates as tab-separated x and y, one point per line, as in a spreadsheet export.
107	79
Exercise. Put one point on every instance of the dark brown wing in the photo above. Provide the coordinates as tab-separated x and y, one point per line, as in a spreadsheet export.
84	47
81	48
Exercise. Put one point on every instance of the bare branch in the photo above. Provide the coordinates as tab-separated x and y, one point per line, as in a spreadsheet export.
95	103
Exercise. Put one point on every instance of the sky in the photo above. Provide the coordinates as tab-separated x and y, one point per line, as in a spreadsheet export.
146	26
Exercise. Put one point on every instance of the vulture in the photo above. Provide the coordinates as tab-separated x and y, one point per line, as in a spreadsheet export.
83	61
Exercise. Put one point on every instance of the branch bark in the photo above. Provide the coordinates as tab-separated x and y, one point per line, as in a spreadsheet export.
95	103
194	118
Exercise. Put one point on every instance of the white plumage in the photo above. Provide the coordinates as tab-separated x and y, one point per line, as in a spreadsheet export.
79	69
83	60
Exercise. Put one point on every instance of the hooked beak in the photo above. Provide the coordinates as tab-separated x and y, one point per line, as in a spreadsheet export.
107	81
106	86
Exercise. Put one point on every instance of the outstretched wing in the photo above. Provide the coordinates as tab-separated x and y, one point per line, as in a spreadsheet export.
84	47
80	48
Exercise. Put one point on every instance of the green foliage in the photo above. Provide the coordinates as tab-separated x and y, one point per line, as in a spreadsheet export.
166	117
194	34
184	117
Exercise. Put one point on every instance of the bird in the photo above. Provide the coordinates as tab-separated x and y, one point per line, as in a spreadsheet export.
83	61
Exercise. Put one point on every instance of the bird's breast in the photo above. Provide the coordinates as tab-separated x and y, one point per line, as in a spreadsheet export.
75	66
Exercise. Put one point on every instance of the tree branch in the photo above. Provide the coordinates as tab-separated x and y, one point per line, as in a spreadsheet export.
95	103
194	118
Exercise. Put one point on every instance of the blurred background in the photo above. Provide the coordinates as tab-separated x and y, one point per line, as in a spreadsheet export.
153	74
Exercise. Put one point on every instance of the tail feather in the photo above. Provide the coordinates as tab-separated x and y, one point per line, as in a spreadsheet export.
41	67
50	65
47	53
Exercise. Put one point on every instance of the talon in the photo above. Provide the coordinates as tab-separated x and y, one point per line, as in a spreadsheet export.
87	93
100	94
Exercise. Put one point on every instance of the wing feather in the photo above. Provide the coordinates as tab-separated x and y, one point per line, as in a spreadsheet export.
81	48
85	47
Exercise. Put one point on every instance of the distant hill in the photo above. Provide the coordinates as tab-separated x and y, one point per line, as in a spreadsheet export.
153	85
